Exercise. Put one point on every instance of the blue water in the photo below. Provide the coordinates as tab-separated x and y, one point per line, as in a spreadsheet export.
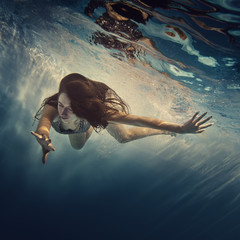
160	187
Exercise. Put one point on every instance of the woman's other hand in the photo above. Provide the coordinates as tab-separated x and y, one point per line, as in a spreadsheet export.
195	125
45	143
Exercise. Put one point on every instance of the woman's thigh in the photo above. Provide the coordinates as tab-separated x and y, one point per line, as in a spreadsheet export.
118	131
78	140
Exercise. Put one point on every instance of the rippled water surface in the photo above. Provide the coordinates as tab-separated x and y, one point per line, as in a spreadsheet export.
184	57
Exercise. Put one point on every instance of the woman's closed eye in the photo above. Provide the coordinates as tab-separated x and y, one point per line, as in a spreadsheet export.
69	109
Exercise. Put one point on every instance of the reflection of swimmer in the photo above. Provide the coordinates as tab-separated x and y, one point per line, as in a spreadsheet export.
178	32
204	16
82	105
121	18
177	35
138	10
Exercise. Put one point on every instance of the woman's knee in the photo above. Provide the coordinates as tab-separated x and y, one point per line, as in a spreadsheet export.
123	138
78	146
77	141
119	132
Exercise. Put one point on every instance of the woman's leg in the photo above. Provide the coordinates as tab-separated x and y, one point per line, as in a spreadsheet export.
78	140
123	135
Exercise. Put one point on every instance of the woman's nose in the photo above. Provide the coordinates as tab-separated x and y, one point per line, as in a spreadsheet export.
64	111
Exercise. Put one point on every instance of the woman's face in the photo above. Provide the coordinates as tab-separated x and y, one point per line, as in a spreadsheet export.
65	110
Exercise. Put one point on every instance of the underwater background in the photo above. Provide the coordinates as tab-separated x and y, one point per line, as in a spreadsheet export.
184	57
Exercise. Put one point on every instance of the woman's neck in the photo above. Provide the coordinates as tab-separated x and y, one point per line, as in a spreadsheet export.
73	125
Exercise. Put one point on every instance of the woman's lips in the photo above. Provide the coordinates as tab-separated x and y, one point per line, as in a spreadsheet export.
64	118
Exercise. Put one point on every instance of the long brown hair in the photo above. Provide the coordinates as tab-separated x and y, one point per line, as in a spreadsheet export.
91	100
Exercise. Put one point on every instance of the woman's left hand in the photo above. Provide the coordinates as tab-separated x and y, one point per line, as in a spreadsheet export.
194	125
45	143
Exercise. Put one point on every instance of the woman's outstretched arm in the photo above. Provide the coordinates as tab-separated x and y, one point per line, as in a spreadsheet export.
43	128
124	135
194	125
45	122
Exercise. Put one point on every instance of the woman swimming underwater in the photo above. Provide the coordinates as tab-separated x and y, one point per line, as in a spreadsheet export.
82	105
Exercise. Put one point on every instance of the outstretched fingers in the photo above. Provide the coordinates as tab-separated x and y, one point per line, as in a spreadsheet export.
46	152
199	118
194	116
200	131
38	136
202	122
44	157
51	147
47	141
206	126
